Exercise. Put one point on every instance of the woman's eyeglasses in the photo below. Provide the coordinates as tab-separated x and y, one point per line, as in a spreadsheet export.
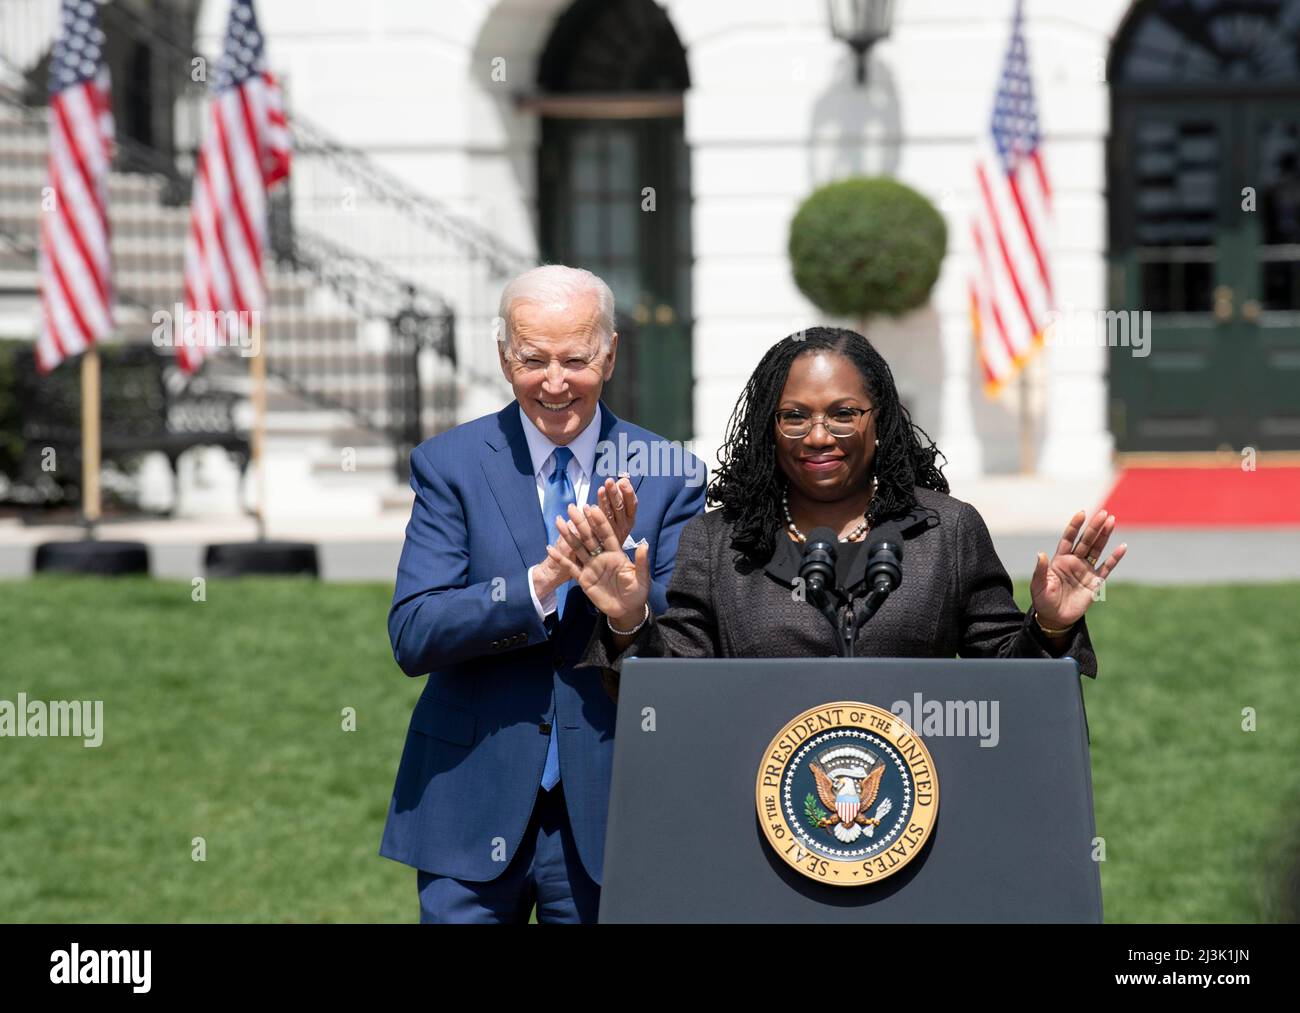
839	423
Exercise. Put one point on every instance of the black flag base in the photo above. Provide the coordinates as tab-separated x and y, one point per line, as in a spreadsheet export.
242	559
88	556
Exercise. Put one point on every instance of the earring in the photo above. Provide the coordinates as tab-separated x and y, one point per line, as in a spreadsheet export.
877	441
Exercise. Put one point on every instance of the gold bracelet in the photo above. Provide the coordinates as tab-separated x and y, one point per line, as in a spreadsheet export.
1051	632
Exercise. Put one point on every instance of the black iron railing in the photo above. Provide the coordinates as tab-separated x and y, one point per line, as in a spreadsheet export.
381	306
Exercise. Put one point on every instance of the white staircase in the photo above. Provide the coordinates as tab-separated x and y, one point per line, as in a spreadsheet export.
320	462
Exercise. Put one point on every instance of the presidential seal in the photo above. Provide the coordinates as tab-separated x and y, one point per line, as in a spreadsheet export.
847	794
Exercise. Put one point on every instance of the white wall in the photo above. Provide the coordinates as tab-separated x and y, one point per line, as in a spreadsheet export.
773	111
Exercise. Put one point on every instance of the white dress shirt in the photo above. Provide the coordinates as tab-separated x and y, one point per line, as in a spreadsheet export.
581	467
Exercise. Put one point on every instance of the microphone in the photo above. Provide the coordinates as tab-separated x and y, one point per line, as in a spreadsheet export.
817	570
885	559
884	574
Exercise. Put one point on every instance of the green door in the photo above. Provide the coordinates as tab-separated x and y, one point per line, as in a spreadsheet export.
1268	278
1205	233
615	199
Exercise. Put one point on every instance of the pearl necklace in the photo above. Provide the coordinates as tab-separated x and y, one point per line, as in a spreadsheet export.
852	536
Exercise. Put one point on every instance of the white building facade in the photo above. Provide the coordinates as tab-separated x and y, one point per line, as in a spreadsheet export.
440	94
444	145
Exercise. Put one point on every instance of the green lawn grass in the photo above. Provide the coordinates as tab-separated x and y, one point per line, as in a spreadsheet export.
224	721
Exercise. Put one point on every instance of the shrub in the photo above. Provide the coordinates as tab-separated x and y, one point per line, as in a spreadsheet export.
866	246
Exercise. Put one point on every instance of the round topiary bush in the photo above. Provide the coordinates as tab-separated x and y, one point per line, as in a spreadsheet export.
861	247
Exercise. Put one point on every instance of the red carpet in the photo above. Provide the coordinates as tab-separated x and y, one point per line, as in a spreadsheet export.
1206	497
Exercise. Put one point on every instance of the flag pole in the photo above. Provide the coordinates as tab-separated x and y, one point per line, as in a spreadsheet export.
88	554
257	374
264	131
90	498
1026	425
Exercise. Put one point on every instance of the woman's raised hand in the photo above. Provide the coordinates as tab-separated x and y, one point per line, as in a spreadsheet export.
1063	589
611	581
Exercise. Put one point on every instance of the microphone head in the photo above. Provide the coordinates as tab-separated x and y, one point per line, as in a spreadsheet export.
817	568
885	557
883	534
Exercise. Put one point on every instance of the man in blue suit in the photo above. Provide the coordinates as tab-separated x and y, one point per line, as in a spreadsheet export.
503	785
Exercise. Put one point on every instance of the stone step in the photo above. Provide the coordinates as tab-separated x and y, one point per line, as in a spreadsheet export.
24	146
163	291
149	222
354	436
315	422
300	334
140	271
17	281
366	462
23	206
17	261
23	201
26	183
310	333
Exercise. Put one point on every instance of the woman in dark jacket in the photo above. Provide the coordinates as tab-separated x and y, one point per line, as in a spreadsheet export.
818	439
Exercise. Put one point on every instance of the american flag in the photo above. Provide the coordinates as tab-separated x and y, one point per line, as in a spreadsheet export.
245	152
74	274
1011	285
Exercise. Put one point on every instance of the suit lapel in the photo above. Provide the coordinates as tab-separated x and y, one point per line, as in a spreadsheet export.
899	529
509	473
786	557
617	451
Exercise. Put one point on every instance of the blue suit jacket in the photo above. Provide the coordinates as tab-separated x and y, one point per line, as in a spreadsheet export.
462	612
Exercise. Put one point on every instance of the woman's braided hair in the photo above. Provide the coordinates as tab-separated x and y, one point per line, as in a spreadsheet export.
748	484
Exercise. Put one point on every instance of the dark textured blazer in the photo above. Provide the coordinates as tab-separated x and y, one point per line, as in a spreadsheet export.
955	599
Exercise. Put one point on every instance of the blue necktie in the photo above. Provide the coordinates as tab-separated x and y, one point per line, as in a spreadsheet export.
556	500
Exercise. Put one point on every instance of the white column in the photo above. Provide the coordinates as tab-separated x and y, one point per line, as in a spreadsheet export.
956	437
1076	439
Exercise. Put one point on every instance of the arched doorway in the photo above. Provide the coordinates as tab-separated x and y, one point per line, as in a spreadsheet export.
614	191
149	50
1205	224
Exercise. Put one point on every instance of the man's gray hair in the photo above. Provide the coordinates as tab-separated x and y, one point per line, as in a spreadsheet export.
555	284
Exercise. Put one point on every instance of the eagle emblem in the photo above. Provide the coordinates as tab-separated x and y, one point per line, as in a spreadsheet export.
846	794
848	780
